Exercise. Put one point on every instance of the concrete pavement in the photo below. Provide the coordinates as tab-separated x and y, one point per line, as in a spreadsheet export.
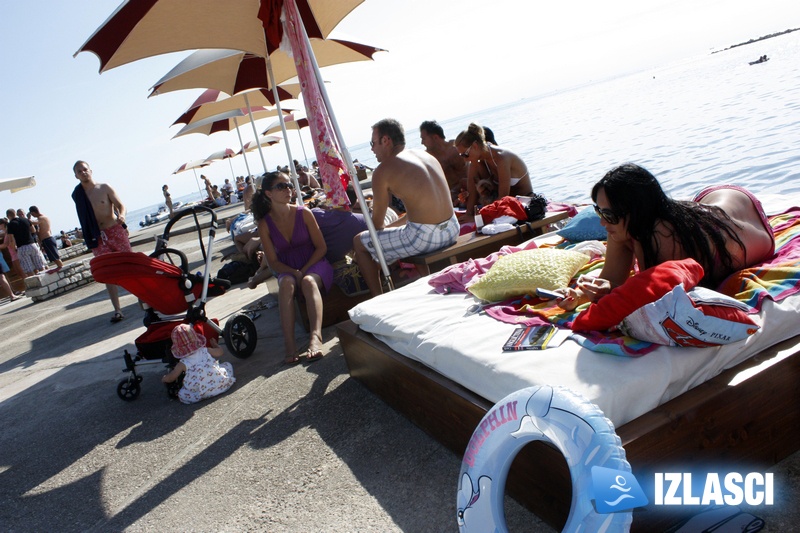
301	448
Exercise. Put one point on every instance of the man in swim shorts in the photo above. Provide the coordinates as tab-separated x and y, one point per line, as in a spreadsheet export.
30	257
102	218
48	242
417	179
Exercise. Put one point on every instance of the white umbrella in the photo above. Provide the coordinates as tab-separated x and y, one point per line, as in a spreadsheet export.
17	184
192	165
227	153
264	140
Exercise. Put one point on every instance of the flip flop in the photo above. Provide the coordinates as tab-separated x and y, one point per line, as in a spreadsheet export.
291	361
315	355
118	317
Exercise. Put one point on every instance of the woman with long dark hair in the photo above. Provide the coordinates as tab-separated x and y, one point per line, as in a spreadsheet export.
295	250
724	229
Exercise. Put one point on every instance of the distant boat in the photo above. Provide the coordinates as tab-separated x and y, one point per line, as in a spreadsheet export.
762	59
159	216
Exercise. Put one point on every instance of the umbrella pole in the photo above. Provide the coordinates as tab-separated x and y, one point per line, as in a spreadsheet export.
244	154
348	160
233	176
255	132
292	170
303	146
197	181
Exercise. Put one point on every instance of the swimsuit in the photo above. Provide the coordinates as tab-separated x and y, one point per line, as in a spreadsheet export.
759	208
30	258
113	239
50	248
514	181
413	239
298	250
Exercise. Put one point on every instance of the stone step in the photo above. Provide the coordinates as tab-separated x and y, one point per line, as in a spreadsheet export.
71	276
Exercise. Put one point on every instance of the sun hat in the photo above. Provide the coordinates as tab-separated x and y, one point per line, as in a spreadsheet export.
185	340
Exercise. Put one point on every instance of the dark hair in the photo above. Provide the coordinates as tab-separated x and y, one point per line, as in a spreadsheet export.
262	204
33	209
634	192
489	134
473	134
78	162
392	129
432	127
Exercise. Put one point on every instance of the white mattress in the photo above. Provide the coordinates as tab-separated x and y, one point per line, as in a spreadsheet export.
437	331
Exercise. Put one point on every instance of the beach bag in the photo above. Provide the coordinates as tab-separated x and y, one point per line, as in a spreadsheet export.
536	208
237	271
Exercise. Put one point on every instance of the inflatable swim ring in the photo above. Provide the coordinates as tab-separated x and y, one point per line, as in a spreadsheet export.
556	415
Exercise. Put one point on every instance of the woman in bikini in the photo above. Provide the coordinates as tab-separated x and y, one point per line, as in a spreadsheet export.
724	229
494	172
295	250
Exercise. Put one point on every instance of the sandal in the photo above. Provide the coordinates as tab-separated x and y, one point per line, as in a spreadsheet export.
118	317
291	360
314	355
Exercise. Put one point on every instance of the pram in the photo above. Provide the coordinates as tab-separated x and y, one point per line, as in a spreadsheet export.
165	290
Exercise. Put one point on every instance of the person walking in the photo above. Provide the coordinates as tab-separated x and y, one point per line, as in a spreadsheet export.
46	239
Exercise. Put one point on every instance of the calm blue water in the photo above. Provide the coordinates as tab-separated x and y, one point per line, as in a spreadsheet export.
708	120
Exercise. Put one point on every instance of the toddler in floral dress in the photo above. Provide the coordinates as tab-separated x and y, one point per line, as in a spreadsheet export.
205	376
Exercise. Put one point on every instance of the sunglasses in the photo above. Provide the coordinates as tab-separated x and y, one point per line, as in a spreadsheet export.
465	154
281	186
607	214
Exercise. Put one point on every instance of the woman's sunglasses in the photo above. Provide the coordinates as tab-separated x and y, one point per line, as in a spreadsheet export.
281	186
607	214
465	154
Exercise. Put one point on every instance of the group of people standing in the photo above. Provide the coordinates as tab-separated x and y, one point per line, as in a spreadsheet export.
30	244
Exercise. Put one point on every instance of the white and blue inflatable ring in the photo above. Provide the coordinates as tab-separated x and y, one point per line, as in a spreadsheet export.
556	415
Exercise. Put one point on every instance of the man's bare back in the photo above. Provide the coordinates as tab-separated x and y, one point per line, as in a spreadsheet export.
416	178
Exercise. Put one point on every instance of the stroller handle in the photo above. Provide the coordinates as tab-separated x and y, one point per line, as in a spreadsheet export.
186	212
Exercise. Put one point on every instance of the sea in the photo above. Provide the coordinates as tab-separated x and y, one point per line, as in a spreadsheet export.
704	120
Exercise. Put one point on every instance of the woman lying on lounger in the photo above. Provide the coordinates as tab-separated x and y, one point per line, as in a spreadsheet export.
295	251
724	229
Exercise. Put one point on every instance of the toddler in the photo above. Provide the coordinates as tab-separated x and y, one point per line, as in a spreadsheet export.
205	376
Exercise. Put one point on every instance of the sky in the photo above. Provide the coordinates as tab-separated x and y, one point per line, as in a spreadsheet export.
444	59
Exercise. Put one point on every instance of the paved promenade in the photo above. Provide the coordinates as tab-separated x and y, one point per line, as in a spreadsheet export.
287	449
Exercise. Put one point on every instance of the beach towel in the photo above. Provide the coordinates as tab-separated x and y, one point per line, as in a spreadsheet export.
777	278
89	225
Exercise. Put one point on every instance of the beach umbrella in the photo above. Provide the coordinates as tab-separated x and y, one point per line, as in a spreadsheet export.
233	71
145	28
227	153
264	140
193	165
225	121
292	121
213	102
17	184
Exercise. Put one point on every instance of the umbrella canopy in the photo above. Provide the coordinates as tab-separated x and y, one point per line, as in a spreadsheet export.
17	184
197	163
214	102
232	71
293	121
145	28
221	154
225	121
264	140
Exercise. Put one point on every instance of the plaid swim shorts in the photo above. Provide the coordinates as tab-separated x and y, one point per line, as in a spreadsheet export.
413	239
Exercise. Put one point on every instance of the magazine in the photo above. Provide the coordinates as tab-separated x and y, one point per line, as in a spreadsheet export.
530	338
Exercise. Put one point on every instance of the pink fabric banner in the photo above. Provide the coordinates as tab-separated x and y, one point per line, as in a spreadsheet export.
332	169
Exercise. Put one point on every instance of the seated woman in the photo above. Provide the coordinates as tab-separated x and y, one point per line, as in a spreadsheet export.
724	229
295	250
490	164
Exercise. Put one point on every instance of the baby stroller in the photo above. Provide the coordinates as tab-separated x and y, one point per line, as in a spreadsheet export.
166	290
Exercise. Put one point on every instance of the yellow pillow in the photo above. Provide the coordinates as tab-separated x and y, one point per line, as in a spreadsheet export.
524	272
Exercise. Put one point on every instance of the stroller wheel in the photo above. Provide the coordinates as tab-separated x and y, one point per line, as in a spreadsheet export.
129	389
240	335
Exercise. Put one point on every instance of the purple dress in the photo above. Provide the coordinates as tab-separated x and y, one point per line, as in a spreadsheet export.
297	252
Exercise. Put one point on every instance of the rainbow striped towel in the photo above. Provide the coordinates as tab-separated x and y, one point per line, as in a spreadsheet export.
776	279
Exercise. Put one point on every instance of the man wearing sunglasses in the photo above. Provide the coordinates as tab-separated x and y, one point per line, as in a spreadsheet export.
416	178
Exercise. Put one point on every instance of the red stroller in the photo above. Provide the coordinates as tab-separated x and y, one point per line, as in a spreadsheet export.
166	290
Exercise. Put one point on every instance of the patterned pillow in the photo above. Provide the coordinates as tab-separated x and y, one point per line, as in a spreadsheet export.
525	271
585	226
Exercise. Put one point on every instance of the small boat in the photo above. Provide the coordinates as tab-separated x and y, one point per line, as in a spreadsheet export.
762	59
159	216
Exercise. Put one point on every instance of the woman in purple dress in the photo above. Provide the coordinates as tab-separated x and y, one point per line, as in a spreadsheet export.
295	250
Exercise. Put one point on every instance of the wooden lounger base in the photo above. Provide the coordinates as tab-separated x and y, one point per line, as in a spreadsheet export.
723	423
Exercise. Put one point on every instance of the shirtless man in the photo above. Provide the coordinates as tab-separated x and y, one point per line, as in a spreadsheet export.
304	177
416	178
247	194
102	218
454	166
46	239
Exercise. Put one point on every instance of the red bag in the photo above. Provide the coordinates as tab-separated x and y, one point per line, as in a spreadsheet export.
506	206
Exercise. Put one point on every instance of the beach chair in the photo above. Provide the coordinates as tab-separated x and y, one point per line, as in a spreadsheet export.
170	295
